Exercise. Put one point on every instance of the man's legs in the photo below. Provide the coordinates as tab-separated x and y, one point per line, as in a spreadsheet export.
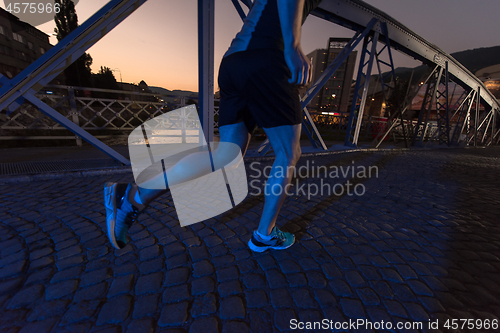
286	145
123	202
285	141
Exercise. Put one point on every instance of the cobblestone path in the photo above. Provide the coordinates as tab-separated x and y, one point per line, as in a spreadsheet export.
420	244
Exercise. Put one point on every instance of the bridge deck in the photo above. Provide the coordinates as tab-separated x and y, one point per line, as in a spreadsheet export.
421	243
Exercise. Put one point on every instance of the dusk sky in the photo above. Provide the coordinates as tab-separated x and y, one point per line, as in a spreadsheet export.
158	42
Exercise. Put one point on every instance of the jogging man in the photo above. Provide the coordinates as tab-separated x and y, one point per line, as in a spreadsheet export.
258	80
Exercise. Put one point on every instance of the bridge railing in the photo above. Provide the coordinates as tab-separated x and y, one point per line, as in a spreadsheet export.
115	113
334	127
103	112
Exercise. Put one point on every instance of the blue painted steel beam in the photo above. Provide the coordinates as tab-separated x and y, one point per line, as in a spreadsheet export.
240	11
247	3
206	66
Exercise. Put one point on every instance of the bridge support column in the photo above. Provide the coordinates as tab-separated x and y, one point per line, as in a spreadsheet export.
493	126
476	116
361	90
429	98
443	110
463	119
496	132
206	67
386	90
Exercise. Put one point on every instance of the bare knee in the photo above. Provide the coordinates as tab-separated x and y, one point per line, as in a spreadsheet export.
296	155
290	156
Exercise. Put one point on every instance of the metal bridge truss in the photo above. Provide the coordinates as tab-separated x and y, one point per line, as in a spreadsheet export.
452	120
352	14
462	115
428	101
355	121
355	14
484	126
363	80
437	92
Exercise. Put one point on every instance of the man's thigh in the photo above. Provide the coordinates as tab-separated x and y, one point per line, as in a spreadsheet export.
255	89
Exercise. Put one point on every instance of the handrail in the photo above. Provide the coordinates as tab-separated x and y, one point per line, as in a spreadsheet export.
124	92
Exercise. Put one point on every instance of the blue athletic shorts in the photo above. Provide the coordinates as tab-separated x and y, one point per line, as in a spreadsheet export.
254	88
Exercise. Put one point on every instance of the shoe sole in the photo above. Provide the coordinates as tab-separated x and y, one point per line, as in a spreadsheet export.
110	197
259	249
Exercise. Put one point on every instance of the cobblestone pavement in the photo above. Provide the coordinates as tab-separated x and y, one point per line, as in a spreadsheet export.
422	243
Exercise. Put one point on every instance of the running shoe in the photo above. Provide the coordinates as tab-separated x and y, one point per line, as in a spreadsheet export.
280	240
119	216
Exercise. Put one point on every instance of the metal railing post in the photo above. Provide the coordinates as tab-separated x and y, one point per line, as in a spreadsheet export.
493	126
74	113
478	98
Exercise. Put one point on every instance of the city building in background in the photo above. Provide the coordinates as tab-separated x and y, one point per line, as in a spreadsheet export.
20	44
334	96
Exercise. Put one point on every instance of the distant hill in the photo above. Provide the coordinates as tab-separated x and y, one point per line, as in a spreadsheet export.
476	59
473	60
163	91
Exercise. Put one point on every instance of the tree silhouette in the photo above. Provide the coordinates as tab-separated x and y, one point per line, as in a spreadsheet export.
105	79
79	72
